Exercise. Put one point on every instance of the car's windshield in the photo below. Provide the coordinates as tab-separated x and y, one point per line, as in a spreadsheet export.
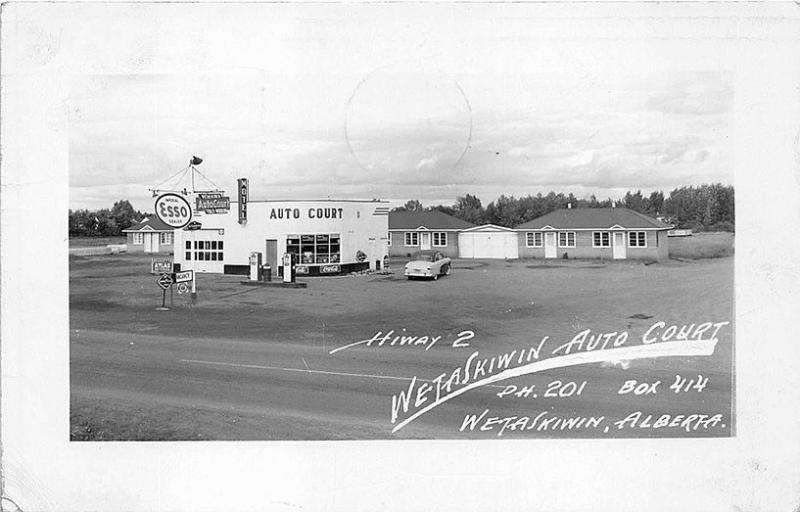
422	256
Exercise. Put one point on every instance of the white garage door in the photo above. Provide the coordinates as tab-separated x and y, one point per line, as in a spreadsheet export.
488	245
204	251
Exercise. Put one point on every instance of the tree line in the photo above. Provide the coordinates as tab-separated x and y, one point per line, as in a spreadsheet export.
104	222
708	207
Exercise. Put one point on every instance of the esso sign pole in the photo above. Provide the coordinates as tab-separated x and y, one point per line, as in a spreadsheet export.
175	211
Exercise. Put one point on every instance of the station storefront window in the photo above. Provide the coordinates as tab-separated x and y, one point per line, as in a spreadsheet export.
315	248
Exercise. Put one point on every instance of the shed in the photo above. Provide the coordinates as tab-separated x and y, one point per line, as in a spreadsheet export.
488	241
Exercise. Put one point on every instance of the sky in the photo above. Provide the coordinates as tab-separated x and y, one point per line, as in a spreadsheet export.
312	116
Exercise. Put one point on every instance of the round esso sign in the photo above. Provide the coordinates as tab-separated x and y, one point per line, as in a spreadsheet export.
173	210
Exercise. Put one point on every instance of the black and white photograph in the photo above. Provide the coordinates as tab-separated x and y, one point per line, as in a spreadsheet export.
341	239
414	251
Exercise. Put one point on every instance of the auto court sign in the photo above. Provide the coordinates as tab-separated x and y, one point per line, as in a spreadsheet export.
307	213
213	202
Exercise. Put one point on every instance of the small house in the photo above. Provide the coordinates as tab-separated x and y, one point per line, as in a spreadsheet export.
150	236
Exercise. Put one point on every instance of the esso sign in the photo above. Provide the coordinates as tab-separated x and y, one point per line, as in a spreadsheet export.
173	210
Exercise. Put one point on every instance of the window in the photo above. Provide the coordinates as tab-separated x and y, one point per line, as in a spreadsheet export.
204	250
317	248
165	239
601	239
534	239
566	239
440	239
412	239
637	239
389	240
138	238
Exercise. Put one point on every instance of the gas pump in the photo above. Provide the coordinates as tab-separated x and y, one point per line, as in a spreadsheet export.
288	268
255	266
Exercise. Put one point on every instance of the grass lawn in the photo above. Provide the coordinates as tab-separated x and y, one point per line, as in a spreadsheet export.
96	241
702	245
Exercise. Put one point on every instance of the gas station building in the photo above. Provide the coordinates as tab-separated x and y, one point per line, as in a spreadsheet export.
325	237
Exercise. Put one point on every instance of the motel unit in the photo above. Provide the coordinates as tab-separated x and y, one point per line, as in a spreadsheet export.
410	232
594	233
590	233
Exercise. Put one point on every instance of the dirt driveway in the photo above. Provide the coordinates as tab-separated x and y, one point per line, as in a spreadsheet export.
505	304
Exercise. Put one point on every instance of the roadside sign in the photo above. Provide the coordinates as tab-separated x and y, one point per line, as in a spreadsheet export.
243	197
173	210
193	226
164	281
183	277
182	288
160	266
213	203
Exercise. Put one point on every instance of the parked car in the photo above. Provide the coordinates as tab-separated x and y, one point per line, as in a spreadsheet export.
428	264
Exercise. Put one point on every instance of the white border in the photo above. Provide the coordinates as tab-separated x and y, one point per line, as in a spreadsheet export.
757	470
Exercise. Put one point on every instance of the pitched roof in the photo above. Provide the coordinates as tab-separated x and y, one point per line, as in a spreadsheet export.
594	218
154	223
431	219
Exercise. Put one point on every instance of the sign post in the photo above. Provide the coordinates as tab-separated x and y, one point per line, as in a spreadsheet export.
164	281
193	226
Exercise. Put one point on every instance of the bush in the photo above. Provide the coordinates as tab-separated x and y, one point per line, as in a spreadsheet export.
723	226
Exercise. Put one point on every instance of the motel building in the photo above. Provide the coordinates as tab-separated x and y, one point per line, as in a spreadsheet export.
594	233
151	235
586	233
326	237
410	232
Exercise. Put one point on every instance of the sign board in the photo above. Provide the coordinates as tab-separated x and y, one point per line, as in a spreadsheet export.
160	266
173	210
193	226
183	277
164	281
243	197
212	203
330	269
